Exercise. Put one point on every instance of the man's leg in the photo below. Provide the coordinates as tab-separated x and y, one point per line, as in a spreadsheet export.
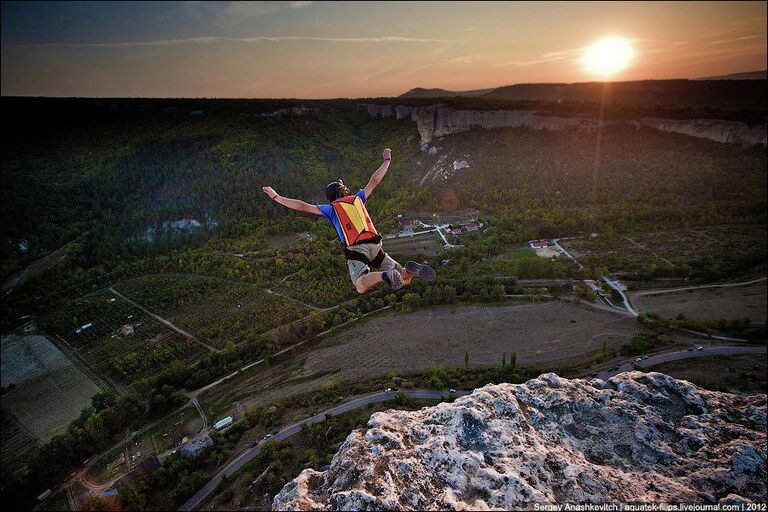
388	262
368	280
358	273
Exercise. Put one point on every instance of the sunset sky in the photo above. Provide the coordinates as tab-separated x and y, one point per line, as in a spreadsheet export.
366	49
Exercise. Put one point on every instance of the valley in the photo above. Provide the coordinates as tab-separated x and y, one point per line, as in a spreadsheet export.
536	247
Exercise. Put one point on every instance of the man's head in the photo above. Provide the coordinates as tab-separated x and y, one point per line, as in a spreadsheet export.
335	190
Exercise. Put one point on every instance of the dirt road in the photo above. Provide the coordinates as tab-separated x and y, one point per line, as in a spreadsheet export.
708	302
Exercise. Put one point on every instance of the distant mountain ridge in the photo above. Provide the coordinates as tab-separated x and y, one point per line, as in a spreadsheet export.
747	75
733	92
420	92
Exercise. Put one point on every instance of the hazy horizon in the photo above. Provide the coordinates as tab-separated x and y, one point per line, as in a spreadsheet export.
326	50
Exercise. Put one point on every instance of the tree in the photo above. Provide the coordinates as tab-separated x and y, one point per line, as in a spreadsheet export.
513	360
504	360
466	359
252	413
95	503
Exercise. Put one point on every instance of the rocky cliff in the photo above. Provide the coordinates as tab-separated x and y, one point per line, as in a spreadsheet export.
636	437
438	120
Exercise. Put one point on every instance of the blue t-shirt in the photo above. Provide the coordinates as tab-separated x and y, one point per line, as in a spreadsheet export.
330	214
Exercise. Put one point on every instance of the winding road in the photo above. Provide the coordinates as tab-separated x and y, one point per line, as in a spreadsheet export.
358	402
683	354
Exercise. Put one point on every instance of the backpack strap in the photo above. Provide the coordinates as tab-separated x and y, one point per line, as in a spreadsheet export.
375	262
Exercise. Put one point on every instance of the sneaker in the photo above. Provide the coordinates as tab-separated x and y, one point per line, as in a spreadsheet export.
393	278
423	271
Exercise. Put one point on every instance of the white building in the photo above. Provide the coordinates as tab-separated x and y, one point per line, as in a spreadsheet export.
222	424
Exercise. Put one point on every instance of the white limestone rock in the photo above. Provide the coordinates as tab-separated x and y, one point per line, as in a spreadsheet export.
635	437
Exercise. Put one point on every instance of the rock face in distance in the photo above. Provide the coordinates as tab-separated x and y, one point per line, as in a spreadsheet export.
637	437
438	120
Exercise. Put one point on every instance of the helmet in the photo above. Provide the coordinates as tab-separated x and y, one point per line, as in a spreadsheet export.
332	189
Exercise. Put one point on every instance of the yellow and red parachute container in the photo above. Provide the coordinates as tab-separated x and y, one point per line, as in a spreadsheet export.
355	222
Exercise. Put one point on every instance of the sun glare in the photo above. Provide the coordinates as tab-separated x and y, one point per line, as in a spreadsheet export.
608	56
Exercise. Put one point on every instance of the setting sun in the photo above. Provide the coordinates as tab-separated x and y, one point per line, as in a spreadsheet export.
608	56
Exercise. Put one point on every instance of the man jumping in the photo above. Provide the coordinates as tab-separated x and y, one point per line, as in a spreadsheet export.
361	243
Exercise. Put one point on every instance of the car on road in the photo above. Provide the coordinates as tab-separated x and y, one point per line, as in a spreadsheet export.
699	348
643	357
267	436
253	444
638	359
690	349
452	391
388	390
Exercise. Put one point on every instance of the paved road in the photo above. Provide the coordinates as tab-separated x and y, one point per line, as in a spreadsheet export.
682	354
616	286
356	403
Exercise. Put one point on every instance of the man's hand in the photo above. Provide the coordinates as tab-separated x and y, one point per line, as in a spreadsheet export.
270	192
387	155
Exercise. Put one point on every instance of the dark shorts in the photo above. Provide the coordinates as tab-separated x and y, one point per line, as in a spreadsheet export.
358	268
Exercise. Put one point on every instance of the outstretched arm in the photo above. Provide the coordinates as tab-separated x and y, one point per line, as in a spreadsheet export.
379	174
293	204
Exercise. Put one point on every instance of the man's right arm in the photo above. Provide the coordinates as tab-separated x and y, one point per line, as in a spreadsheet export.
293	204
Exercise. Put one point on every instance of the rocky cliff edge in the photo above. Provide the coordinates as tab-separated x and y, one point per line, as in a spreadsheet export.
637	437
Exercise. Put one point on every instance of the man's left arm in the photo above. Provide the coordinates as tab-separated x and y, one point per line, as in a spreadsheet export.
379	174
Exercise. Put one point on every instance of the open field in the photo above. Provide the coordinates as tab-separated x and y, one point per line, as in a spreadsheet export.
734	374
546	252
428	244
708	246
706	303
283	242
518	253
122	355
50	391
17	443
549	334
215	310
